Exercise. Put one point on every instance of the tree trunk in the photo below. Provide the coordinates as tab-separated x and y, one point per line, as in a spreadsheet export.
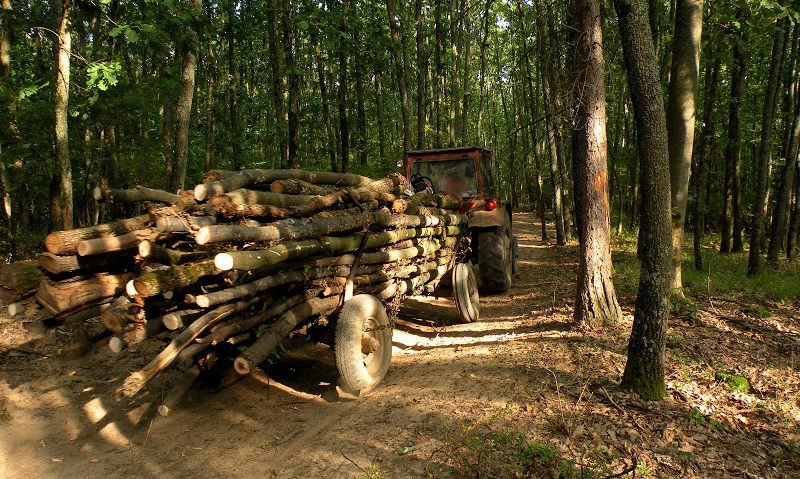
293	87
681	119
455	27
596	301
731	216
701	179
5	40
344	127
236	140
644	370
209	126
68	296
65	202
782	196
422	73
402	83
765	147
381	120
277	86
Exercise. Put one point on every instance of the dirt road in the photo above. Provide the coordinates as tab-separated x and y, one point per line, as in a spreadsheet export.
519	369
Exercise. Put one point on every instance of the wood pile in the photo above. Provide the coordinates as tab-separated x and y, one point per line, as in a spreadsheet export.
242	260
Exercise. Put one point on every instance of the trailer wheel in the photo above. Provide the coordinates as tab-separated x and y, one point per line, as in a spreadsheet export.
465	292
495	258
363	343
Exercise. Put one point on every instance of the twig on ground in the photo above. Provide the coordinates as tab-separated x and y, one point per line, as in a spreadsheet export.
616	406
351	461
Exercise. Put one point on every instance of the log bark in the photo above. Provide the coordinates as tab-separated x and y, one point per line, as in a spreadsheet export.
181	224
255	197
159	254
138	379
65	296
55	264
178	390
66	242
298	187
21	275
249	260
263	347
132	195
174	277
241	179
116	243
119	313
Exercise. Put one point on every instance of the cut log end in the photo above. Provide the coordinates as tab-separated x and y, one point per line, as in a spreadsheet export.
15	308
116	344
200	192
223	262
203	236
130	289
98	194
163	410
172	321
145	247
53	243
242	365
142	288
202	301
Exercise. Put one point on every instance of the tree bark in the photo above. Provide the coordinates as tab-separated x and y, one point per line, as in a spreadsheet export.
330	143
64	166
278	106
293	87
422	72
245	178
66	242
400	68
67	296
782	196
681	119
172	278
765	147
134	194
5	39
701	179
595	301
644	370
731	211
183	109
233	80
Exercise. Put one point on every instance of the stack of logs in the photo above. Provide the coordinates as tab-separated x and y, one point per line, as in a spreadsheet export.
244	259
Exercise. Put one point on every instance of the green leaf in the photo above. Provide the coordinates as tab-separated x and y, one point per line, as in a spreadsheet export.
131	36
405	450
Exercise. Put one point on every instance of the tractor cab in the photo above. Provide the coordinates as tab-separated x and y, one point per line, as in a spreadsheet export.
465	173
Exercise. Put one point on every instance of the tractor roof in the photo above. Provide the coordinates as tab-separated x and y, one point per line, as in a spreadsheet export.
462	149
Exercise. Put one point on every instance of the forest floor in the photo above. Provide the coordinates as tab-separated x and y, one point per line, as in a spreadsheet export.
519	393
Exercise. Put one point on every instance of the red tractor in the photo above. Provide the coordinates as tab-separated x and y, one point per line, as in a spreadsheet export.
466	173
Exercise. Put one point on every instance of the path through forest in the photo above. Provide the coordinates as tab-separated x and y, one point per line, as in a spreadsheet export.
452	391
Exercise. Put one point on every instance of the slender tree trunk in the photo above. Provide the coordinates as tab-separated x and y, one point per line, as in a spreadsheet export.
184	107
465	91
437	58
381	121
644	370
323	95
5	39
293	87
794	223
422	73
64	190
401	74
595	300
344	128
765	147
209	126
479	135
276	69
782	196
733	152
455	27
236	135
701	179
681	119
361	116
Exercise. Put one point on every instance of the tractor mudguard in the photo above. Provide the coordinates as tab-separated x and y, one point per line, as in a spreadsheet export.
487	219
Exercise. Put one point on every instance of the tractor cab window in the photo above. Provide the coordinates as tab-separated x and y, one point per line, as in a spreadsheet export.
451	177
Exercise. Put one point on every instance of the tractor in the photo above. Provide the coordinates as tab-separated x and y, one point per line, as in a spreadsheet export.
466	173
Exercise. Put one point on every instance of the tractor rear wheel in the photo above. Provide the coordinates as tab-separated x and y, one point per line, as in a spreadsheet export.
495	258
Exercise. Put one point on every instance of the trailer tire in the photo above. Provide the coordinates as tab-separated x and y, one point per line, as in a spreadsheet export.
495	257
465	292
362	326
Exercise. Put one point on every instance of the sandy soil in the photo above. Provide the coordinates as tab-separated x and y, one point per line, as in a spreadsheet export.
520	369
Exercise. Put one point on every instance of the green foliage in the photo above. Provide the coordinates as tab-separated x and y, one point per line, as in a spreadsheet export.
735	382
102	75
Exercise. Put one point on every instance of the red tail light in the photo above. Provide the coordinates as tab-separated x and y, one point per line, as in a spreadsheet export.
491	204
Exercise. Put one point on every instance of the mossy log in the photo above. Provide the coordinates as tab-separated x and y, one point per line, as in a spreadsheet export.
66	296
245	199
233	327
57	264
21	276
278	331
174	277
135	381
66	242
250	260
132	195
262	284
183	224
116	243
241	179
298	187
159	254
439	201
